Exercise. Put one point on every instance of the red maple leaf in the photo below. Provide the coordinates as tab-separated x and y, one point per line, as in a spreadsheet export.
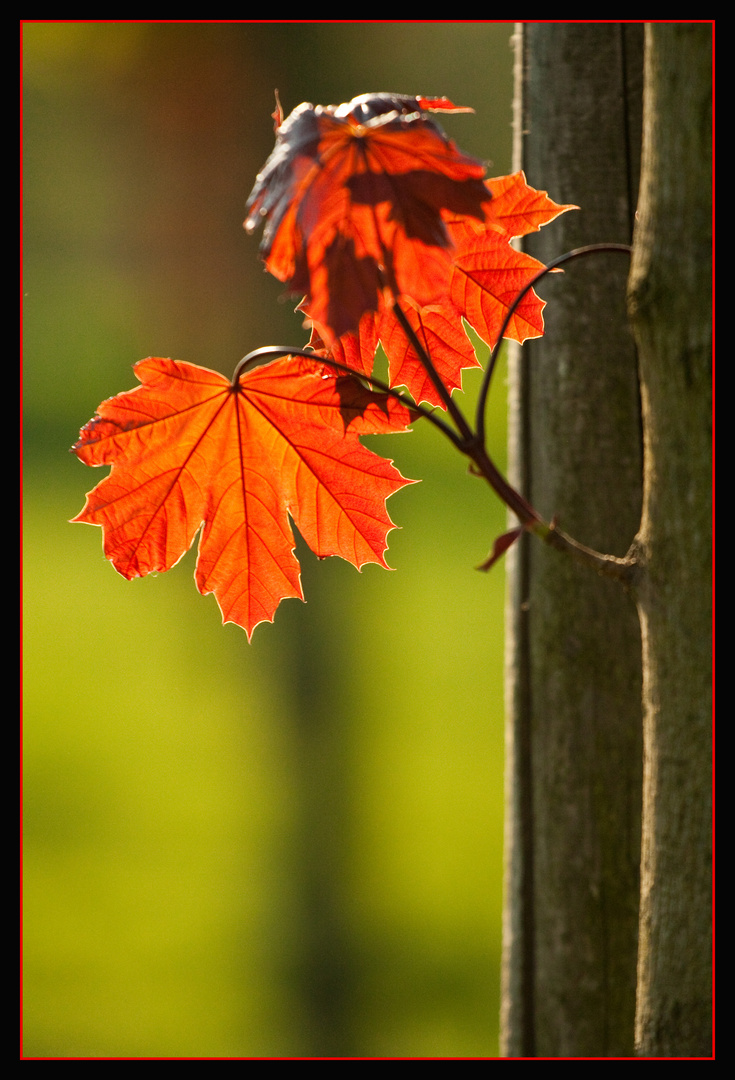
483	278
189	450
354	199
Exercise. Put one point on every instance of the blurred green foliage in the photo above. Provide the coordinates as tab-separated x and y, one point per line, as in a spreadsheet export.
292	847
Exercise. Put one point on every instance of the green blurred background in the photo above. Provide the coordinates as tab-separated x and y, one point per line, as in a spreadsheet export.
285	848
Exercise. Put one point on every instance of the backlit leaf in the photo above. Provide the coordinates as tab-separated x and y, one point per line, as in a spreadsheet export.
353	198
484	276
188	450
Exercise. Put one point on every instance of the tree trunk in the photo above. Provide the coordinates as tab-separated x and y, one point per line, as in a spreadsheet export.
670	304
573	771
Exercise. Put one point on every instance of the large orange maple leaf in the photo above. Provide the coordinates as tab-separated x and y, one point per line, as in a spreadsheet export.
190	450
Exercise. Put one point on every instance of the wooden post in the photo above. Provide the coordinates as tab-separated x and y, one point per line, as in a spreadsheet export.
573	773
671	310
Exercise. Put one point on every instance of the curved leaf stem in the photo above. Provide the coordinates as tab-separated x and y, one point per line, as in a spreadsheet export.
589	249
258	357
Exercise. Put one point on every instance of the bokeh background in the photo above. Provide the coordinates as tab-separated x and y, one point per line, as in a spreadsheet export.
291	847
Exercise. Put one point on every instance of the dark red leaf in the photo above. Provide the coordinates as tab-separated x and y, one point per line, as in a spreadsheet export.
354	198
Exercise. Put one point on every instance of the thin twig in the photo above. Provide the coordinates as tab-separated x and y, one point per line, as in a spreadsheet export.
577	253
